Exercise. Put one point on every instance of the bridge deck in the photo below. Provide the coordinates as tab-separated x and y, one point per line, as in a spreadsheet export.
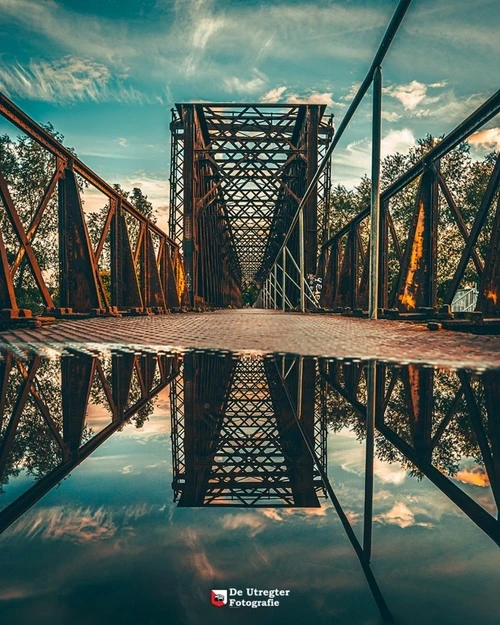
266	331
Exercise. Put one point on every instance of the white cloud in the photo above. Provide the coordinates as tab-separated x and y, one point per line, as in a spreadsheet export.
397	141
391	116
181	42
252	85
353	90
443	105
282	94
411	95
68	79
353	161
122	141
251	522
485	141
399	515
389	473
313	98
274	95
488	138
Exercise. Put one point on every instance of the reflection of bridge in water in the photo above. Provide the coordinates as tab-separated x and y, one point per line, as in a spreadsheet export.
250	209
251	432
235	437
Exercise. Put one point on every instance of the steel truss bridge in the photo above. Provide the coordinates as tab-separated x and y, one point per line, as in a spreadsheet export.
249	205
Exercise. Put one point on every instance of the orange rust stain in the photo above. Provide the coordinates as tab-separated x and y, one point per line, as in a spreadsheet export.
180	280
492	296
407	297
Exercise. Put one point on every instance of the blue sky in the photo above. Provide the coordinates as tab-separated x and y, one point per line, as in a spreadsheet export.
106	73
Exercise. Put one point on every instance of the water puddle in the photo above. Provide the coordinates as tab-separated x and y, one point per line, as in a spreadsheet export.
153	487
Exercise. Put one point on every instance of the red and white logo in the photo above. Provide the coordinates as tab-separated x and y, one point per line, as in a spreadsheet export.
218	598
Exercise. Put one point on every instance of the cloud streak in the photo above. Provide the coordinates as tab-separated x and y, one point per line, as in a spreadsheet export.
66	80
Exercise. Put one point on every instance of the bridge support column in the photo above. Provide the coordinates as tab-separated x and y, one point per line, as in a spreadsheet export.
188	245
417	287
80	284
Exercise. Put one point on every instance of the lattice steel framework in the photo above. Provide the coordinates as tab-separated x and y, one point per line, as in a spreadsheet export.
241	448
249	165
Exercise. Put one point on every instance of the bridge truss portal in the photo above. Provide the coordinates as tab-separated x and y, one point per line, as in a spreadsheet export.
238	174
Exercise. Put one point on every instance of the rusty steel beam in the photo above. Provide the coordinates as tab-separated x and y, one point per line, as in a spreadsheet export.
81	287
417	277
416	280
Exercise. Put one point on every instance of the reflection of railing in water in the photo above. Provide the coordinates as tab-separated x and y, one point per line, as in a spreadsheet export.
56	408
425	419
234	437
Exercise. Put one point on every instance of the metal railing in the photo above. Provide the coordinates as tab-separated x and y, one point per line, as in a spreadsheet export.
298	277
143	263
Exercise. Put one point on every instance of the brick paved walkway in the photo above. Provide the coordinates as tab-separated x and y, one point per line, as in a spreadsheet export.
261	331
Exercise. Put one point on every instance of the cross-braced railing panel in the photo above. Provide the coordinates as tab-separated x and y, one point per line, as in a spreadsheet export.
418	268
55	413
60	258
436	423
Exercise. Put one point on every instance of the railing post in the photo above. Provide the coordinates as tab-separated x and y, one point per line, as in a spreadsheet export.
275	280
302	262
375	196
371	407
283	279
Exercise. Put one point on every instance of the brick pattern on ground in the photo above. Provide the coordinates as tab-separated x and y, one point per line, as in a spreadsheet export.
263	332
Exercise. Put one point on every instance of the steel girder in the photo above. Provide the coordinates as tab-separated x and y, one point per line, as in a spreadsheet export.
144	269
245	166
407	275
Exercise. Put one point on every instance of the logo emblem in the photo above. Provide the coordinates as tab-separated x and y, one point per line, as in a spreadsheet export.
218	598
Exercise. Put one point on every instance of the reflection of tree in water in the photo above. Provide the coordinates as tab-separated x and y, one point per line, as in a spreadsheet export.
98	395
34	448
451	437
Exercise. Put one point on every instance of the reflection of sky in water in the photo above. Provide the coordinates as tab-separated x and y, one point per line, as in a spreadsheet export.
109	545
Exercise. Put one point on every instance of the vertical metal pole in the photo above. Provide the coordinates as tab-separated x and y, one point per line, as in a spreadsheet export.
299	387
375	196
275	280
302	276
371	407
283	278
